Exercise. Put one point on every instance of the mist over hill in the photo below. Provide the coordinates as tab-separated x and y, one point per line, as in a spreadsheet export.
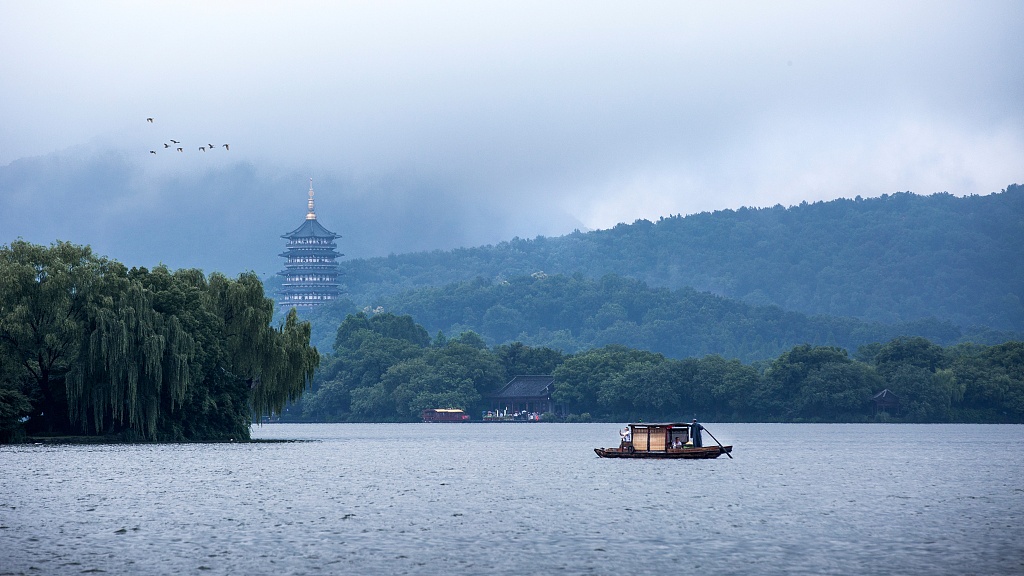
219	211
895	259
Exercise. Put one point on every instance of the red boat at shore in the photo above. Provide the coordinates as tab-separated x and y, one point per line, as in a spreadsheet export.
444	415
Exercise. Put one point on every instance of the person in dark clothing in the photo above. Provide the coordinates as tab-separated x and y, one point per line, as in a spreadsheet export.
695	429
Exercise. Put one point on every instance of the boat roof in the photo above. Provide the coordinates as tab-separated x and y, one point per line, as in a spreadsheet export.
445	410
660	425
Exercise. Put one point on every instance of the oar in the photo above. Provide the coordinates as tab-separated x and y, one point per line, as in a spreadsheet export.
717	442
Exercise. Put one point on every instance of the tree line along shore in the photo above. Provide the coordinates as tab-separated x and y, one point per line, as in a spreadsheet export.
385	367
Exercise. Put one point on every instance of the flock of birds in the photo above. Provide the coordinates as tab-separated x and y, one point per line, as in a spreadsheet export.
174	144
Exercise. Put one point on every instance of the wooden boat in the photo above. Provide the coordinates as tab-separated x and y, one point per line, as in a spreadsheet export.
444	415
675	440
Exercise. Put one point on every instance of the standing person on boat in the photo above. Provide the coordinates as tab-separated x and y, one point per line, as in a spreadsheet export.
627	436
695	429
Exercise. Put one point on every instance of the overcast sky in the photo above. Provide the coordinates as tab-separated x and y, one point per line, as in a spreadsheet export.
476	121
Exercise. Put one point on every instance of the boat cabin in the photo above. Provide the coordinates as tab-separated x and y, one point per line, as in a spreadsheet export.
444	415
660	437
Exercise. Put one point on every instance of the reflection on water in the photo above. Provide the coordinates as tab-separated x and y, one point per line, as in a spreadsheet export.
513	498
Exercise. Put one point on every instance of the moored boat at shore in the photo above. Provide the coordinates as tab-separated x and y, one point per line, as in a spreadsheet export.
444	415
672	440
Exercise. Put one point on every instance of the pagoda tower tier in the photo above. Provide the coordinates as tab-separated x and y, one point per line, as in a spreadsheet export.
311	264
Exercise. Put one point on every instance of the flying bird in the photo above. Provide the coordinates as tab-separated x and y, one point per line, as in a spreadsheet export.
152	151
226	147
150	120
202	148
210	146
167	145
175	141
179	149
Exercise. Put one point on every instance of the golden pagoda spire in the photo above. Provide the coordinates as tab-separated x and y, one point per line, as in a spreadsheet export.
311	215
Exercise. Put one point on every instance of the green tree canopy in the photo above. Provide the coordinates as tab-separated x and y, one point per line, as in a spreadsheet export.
99	348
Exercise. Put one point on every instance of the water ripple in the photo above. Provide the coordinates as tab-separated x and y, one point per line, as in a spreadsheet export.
504	499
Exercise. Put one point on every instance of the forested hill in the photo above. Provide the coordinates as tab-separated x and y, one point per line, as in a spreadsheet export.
894	259
574	314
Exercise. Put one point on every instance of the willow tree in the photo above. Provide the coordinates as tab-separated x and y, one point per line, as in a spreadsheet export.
200	357
277	364
157	355
131	357
44	295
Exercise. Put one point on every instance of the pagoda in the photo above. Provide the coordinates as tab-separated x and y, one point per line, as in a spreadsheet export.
311	264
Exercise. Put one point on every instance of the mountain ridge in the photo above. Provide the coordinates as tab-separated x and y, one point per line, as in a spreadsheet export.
893	259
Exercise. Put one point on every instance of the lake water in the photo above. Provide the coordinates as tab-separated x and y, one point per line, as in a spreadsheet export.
521	498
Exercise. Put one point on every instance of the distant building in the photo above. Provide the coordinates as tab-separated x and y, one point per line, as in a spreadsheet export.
886	401
311	264
524	398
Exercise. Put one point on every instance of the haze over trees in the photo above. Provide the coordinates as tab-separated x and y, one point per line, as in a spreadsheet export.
90	347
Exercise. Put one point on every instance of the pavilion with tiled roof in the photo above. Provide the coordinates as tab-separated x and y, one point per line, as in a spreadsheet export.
886	401
531	394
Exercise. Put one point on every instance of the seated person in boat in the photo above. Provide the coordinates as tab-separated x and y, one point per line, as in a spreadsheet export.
677	442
